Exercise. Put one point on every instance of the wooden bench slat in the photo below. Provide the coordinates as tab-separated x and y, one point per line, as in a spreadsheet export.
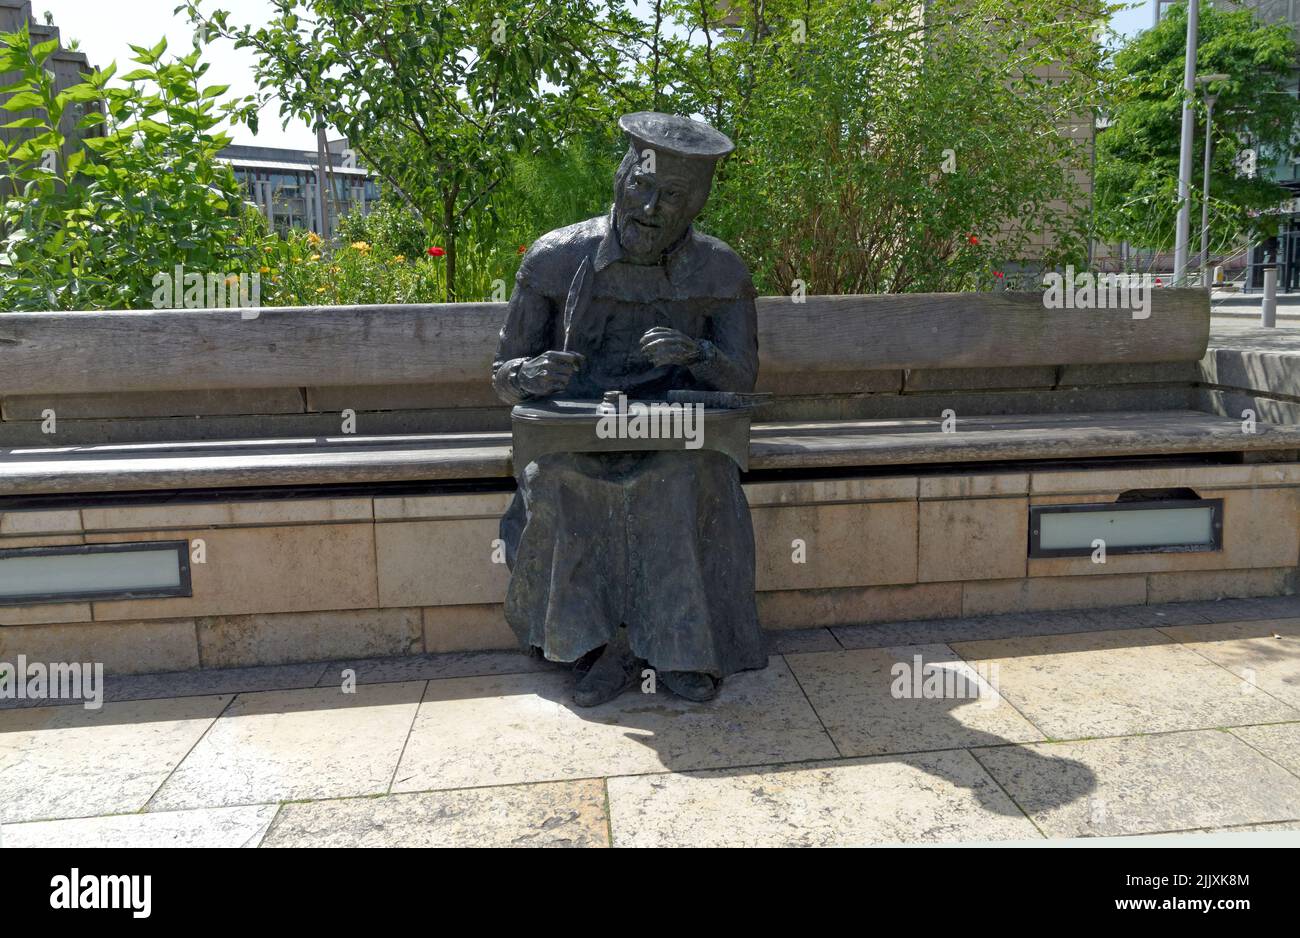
453	344
487	456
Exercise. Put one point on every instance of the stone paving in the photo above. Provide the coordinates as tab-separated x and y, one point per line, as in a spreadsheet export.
1124	721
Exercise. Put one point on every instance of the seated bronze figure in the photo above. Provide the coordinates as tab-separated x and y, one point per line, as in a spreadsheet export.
626	560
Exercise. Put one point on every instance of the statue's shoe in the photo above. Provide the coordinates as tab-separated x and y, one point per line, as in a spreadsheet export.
615	671
693	685
584	664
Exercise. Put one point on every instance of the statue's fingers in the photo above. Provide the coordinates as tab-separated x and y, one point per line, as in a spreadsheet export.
659	334
670	346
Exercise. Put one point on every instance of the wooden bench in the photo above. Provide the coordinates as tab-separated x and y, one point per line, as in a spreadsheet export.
320	544
201	399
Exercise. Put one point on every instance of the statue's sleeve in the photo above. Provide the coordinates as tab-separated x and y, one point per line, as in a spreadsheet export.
524	335
729	360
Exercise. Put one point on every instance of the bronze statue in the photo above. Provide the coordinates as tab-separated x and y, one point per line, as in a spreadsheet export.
625	560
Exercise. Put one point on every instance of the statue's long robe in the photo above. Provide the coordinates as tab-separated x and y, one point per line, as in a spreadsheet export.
661	542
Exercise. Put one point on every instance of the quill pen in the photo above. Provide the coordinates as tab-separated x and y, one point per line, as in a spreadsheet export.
579	294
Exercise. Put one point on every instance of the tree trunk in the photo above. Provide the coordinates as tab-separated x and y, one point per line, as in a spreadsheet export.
449	225
451	267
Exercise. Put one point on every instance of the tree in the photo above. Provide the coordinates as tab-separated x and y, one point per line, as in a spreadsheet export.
886	145
435	97
1137	155
92	229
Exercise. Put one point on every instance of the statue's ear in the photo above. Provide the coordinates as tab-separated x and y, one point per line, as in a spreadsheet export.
700	192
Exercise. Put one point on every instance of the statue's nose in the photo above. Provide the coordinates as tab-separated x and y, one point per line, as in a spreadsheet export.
651	204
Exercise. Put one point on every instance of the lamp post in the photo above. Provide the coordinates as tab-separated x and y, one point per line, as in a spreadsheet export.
1204	81
1182	233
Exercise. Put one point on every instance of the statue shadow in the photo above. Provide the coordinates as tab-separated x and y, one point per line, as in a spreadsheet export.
757	727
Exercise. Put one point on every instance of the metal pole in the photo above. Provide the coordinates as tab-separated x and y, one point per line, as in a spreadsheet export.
1181	236
1268	309
322	214
1205	191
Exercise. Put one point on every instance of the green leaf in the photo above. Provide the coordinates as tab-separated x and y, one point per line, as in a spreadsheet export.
27	122
23	101
44	50
80	94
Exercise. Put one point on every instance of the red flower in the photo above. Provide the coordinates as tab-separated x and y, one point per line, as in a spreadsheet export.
998	274
523	248
436	252
973	240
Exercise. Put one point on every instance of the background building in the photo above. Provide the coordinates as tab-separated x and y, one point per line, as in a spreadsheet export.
68	66
282	184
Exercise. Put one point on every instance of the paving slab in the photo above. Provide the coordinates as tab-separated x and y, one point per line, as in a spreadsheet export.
1238	610
433	667
1144	784
1011	625
1264	652
58	762
793	641
1279	742
936	797
1276	827
205	827
296	744
556	814
193	683
857	695
214	681
1118	683
508	729
1060	622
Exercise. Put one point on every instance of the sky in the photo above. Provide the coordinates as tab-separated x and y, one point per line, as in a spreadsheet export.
105	29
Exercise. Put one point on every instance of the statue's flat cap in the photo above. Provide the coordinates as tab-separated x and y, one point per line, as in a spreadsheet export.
680	136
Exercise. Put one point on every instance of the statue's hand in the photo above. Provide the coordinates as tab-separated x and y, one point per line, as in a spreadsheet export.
548	373
665	346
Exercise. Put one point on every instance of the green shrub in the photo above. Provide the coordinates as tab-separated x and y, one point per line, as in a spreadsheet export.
92	227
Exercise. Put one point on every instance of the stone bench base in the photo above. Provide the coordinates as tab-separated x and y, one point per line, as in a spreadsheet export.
309	579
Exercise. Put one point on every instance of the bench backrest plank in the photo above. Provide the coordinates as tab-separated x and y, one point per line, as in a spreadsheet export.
453	344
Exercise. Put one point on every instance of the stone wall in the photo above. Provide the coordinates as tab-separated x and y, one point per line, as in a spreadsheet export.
337	578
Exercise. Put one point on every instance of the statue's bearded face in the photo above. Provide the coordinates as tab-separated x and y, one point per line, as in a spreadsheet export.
652	210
